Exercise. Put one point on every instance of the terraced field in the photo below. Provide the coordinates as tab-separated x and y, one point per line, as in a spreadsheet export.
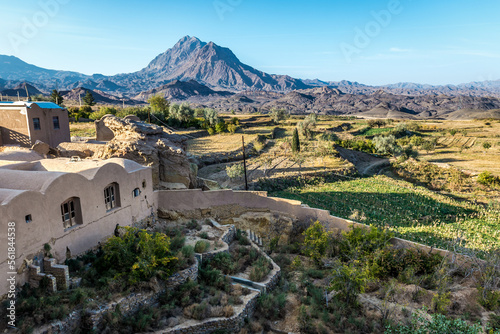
413	213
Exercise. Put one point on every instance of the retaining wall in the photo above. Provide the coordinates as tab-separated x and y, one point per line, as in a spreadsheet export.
196	199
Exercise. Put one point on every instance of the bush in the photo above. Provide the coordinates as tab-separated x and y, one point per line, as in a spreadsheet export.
349	280
220	127
235	171
488	179
201	246
376	123
438	324
260	269
193	225
385	144
272	305
232	128
225	263
241	238
486	145
139	255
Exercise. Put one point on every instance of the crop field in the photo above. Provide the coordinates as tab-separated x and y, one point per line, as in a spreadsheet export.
412	212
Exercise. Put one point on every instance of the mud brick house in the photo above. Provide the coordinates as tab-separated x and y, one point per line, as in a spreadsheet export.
23	123
72	205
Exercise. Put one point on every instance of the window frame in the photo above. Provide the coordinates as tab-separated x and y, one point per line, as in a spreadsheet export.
111	196
37	125
55	121
71	213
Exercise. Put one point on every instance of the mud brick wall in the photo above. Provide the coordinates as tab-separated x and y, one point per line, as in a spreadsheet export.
60	272
35	278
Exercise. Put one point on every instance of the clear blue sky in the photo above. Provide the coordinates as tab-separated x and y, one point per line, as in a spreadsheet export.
424	41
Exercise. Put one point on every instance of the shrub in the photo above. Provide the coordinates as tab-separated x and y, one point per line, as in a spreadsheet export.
235	171
453	132
272	305
486	145
220	127
278	115
201	246
376	123
349	280
211	131
440	302
385	144
438	324
139	255
488	179
260	269
232	128
193	225
225	263
241	238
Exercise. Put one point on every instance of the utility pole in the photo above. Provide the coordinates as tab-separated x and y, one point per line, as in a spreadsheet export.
244	162
28	99
80	99
18	98
149	116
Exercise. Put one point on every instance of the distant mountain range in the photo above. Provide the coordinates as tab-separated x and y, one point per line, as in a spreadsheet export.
210	75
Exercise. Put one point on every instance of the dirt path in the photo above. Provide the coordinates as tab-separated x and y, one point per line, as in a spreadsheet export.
366	164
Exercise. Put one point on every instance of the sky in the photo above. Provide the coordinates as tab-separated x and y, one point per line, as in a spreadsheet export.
369	41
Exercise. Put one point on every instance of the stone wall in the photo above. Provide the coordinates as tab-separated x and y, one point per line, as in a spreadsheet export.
128	305
226	238
232	324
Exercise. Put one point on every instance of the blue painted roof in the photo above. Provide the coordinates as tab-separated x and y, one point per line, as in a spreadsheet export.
45	105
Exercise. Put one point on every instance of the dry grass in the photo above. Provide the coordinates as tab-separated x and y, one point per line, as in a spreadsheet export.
82	129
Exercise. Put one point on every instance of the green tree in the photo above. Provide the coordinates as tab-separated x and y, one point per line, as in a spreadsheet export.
385	144
88	99
182	113
139	255
159	104
307	125
211	116
316	240
56	97
295	141
278	115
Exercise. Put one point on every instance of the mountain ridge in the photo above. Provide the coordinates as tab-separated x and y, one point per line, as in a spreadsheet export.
214	66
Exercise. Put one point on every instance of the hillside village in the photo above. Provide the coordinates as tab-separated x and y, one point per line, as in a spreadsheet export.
224	223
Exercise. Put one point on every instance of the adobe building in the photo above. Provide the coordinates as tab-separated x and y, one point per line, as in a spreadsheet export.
70	204
23	123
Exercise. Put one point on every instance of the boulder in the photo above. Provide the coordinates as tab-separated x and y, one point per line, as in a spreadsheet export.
149	145
41	148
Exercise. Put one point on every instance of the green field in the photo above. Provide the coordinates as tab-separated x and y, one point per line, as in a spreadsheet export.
412	212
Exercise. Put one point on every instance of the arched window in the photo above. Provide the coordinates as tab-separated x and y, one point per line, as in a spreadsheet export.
112	196
71	212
